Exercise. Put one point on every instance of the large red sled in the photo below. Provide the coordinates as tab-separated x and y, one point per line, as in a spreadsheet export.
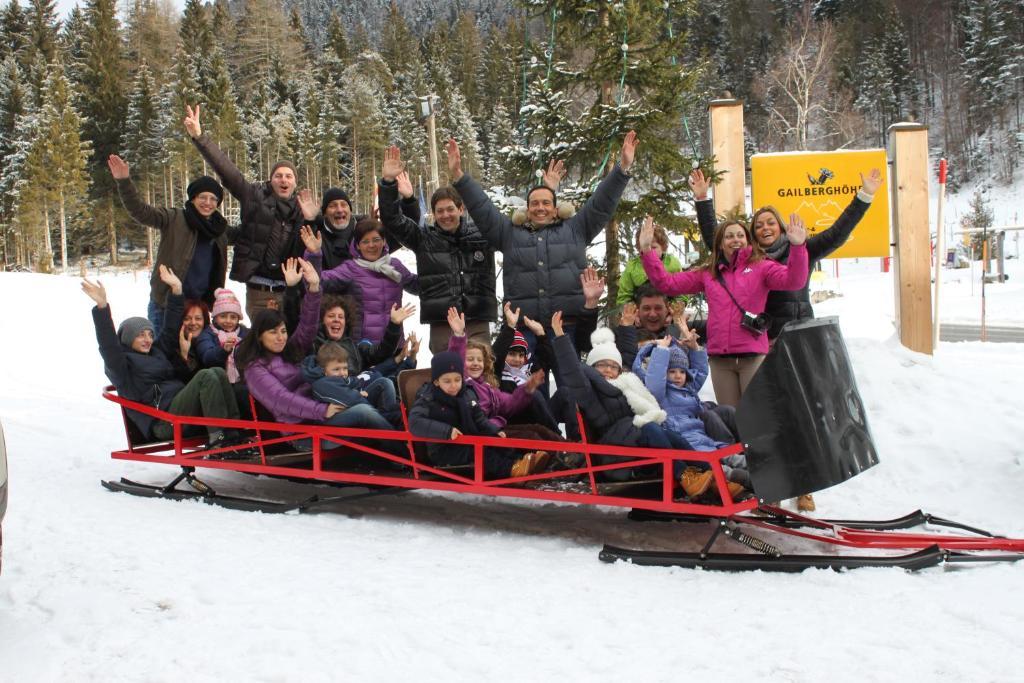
803	429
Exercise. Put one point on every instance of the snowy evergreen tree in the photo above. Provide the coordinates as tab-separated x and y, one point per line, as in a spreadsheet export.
100	83
14	37
337	40
64	178
142	140
989	50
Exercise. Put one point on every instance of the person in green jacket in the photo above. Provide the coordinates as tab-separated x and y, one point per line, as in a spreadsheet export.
634	276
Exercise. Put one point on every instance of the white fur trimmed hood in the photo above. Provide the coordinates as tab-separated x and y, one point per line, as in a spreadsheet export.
642	401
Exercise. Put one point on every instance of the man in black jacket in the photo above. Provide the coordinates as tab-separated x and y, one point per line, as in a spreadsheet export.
271	218
454	261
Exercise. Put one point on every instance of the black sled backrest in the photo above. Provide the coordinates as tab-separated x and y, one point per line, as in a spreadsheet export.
802	417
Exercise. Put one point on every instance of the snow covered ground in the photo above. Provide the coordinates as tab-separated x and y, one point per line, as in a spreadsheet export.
106	587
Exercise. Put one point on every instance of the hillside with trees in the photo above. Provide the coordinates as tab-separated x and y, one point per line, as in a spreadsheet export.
329	84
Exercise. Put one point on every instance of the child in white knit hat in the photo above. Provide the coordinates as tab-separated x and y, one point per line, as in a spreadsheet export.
216	344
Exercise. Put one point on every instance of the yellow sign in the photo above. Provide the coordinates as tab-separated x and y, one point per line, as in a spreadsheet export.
818	186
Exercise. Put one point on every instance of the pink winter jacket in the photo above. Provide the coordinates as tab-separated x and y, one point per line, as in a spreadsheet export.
748	282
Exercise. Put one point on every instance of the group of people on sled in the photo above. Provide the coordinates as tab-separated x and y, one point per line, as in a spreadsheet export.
325	341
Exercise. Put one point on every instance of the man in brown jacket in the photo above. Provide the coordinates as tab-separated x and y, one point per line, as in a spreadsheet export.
193	239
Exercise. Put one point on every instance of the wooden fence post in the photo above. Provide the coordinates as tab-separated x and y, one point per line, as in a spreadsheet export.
727	147
911	234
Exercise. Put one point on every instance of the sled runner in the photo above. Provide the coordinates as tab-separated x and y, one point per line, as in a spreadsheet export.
803	428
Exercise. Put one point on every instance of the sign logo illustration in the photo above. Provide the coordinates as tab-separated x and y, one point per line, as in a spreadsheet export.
824	175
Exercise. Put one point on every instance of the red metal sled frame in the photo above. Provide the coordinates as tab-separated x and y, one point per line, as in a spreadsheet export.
185	452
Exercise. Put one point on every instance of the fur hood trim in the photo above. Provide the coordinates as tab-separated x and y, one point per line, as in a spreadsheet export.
641	401
564	210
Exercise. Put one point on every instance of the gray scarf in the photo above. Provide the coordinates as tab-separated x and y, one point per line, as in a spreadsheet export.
382	266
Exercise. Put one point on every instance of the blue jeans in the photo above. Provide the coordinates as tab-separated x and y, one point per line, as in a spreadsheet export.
381	394
156	316
363	416
655	436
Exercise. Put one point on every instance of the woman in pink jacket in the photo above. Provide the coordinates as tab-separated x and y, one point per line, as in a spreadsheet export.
736	285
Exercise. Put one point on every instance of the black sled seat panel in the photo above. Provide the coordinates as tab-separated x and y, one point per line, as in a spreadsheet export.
802	417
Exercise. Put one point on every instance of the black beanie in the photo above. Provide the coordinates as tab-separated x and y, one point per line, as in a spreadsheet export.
444	362
333	194
205	183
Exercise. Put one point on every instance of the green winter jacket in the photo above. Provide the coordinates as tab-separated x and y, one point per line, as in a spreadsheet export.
634	276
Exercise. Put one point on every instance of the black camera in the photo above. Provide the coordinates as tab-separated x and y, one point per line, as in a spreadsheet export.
755	324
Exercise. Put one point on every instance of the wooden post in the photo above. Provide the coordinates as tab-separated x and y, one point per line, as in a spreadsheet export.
727	148
911	233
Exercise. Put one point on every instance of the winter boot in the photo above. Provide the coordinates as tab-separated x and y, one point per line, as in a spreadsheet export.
696	482
805	503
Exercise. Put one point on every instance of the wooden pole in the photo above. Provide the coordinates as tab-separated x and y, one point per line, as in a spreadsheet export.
911	231
940	256
727	147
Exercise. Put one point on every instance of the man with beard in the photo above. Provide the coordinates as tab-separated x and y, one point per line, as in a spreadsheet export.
269	231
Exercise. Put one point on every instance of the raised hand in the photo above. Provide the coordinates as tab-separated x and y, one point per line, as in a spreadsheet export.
96	292
404	184
291	271
511	317
413	343
309	207
699	185
646	238
398	315
555	173
534	326
313	240
392	163
665	341
192	126
628	315
457	321
628	153
168	277
872	182
532	384
556	324
184	342
310	275
118	167
678	309
688	338
454	160
796	231
593	287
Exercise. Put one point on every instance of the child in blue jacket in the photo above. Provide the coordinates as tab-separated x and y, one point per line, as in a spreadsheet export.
675	374
327	372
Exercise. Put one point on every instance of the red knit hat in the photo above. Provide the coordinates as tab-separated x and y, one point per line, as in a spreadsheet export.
519	341
225	301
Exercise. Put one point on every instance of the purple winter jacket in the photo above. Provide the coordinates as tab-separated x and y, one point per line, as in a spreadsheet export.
497	405
278	385
377	292
749	284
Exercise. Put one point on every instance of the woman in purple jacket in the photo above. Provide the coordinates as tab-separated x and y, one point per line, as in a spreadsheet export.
379	276
268	359
736	284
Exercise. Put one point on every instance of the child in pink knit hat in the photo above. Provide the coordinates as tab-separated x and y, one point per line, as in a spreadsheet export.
215	346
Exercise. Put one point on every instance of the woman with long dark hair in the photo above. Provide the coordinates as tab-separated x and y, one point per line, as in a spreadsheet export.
269	361
736	283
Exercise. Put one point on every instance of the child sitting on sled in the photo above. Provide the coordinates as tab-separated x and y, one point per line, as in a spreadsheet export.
216	343
674	374
446	409
327	372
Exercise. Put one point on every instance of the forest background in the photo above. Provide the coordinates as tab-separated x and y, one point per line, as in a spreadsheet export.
330	83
